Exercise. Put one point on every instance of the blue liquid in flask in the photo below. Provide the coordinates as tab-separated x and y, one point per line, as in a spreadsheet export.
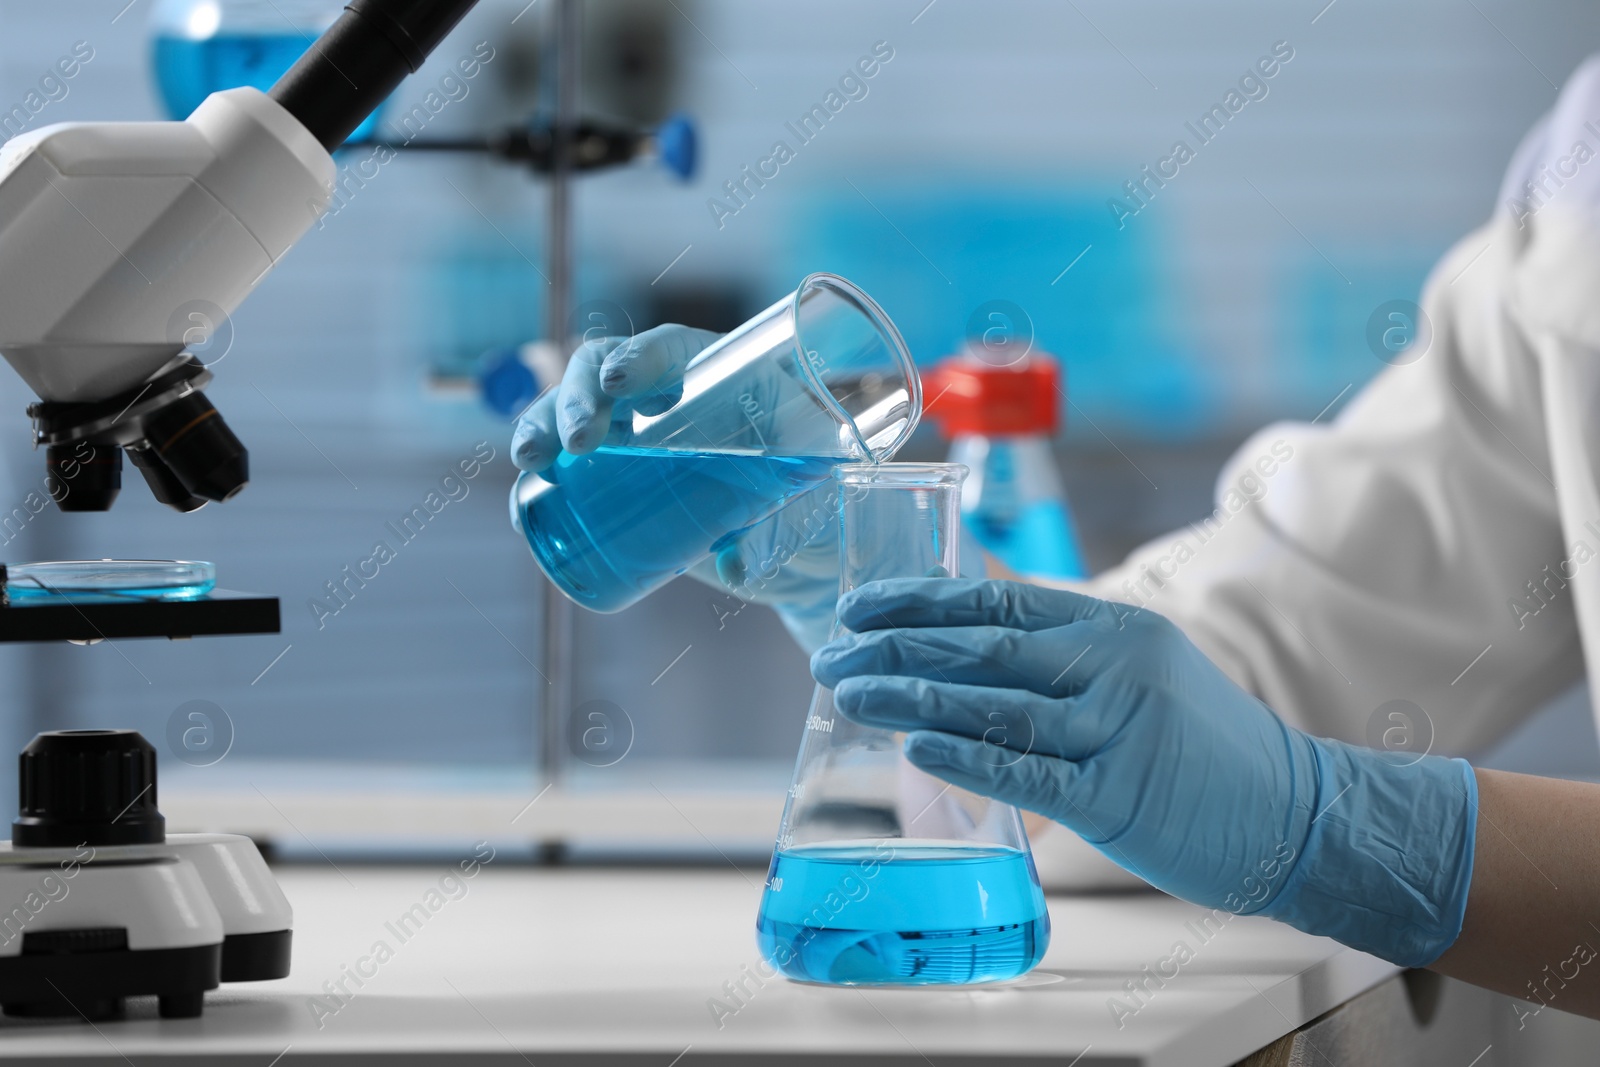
188	70
620	521
929	914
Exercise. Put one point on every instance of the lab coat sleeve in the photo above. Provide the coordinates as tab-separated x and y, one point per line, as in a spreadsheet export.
1409	550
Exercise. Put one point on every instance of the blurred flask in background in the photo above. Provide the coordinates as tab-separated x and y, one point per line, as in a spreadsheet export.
1000	420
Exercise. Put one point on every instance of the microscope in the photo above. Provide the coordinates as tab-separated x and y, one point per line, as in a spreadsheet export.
123	244
118	241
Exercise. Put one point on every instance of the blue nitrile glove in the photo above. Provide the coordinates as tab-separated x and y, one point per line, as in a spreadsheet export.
789	562
606	381
1114	724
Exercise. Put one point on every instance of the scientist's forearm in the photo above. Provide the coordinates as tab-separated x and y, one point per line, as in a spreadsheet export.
1532	926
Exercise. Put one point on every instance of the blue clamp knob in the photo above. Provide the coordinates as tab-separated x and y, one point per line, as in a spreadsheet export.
676	144
507	383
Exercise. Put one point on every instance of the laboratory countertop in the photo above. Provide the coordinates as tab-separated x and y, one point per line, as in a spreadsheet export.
643	966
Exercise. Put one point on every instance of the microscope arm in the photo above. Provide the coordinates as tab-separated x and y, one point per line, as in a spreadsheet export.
123	243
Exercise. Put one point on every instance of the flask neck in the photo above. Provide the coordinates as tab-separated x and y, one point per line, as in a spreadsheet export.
899	520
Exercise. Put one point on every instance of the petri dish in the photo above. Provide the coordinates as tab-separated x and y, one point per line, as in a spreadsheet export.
142	579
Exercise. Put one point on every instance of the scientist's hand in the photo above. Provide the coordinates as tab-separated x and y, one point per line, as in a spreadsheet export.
606	381
1114	724
789	562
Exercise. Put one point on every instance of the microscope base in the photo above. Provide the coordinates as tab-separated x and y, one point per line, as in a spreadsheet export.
91	982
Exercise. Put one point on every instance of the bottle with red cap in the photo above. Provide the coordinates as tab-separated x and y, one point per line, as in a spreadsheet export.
1000	420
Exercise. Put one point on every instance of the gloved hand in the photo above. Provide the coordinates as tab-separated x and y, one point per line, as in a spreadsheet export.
790	561
606	381
1114	724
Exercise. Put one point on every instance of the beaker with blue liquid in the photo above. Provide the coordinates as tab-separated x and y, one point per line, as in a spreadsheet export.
883	874
198	47
820	378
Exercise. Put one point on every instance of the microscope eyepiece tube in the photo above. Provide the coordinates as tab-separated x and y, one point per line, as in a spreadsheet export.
360	59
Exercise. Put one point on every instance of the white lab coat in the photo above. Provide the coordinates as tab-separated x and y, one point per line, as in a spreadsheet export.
1438	541
1386	552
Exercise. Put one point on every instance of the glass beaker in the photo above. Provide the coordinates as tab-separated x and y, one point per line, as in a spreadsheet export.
820	378
883	874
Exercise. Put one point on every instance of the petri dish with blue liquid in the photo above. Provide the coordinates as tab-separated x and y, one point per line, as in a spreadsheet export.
198	47
117	579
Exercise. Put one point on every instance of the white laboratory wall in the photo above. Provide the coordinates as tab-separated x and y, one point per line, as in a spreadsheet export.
1381	142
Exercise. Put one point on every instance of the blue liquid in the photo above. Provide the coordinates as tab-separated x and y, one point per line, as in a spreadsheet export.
615	524
36	594
188	71
928	914
106	581
1037	539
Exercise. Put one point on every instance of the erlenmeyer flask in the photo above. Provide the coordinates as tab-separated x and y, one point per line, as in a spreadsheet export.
882	874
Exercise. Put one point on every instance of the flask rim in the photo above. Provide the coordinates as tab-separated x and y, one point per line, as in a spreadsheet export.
901	475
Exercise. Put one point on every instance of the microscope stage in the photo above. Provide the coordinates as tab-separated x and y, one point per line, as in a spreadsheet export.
93	618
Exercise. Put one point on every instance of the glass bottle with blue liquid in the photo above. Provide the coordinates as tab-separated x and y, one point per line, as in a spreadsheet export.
1000	413
883	874
201	46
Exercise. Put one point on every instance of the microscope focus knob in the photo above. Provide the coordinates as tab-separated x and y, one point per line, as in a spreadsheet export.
95	787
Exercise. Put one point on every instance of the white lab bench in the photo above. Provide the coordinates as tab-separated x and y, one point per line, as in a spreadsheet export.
551	966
